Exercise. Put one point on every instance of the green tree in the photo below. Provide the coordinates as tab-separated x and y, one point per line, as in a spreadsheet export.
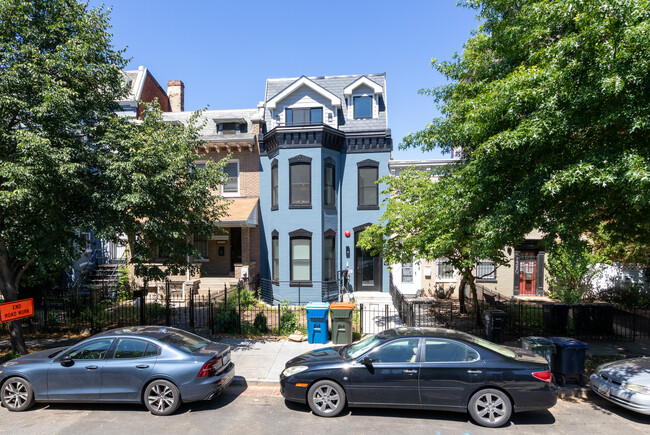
59	80
571	266
549	103
155	193
431	219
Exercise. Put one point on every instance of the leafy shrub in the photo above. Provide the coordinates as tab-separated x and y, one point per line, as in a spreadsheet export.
288	322
124	287
260	324
629	295
247	328
226	319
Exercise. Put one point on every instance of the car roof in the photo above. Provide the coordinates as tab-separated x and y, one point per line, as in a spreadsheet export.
155	332
416	331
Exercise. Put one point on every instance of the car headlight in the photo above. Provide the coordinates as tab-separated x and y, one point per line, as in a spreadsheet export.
641	389
290	371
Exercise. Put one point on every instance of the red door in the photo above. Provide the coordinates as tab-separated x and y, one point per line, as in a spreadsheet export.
527	269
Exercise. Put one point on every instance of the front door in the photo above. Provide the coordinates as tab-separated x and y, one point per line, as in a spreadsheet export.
393	377
235	248
82	380
527	272
367	269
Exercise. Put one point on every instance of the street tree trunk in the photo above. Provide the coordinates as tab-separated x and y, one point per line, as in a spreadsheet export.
471	280
461	296
9	282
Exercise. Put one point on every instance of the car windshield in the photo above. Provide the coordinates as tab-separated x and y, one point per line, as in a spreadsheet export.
360	347
493	347
185	341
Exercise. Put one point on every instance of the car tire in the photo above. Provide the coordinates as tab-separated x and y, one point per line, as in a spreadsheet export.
326	398
490	407
17	394
162	397
561	380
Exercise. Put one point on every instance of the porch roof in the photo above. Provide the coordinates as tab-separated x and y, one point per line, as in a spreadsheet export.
242	212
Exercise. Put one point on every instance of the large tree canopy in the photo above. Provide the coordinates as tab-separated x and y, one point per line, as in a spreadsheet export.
69	164
59	80
550	103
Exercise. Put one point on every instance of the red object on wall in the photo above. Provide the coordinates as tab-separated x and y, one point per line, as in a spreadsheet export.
347	234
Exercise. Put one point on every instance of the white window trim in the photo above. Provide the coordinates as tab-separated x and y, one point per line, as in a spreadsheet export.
234	194
374	110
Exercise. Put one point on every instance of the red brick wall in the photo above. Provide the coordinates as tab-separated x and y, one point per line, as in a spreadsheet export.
151	90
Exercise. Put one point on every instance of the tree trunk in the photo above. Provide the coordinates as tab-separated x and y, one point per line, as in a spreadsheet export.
461	296
471	279
9	288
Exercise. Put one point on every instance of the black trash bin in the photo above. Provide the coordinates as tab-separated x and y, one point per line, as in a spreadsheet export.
603	315
494	325
555	317
568	362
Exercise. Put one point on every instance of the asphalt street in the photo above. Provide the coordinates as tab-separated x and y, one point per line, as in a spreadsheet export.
261	410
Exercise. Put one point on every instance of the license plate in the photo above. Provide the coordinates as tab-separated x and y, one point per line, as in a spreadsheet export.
604	390
226	359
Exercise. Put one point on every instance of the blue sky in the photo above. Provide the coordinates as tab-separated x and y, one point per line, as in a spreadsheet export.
224	50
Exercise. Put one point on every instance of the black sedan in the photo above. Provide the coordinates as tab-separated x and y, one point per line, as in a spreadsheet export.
158	366
426	368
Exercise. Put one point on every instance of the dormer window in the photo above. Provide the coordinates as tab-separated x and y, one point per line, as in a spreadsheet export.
307	116
362	107
231	128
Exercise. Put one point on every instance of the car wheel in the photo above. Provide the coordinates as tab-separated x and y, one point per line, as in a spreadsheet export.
17	394
561	380
162	397
326	398
490	408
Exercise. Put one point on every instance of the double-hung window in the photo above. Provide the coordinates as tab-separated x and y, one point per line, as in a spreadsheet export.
368	195
231	187
486	270
329	267
274	185
307	116
407	272
201	245
275	255
445	270
300	182
329	193
300	256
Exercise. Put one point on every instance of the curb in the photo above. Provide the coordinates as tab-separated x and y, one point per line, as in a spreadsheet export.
573	392
257	382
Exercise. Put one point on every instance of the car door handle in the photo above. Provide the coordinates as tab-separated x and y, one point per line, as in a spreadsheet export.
411	372
91	367
474	372
142	366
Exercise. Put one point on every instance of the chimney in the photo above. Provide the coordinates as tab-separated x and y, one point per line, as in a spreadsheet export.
176	95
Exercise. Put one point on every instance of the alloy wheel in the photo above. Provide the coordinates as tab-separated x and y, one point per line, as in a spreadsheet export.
15	394
326	399
490	408
161	398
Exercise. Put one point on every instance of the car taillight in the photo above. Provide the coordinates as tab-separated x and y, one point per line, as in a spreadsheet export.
208	368
545	376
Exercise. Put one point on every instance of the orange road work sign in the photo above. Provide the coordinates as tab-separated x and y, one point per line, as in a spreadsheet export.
16	310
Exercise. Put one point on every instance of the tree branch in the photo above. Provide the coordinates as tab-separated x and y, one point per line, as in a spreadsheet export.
22	270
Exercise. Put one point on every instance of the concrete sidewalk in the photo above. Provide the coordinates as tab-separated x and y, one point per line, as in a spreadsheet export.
260	362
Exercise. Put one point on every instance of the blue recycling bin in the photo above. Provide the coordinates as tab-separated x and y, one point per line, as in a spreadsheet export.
568	360
317	322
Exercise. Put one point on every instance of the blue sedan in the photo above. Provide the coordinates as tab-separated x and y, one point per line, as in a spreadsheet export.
158	366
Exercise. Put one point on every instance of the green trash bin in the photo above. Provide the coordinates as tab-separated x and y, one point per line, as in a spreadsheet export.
341	314
539	345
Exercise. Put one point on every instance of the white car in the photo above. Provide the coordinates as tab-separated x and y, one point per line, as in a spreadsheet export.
625	382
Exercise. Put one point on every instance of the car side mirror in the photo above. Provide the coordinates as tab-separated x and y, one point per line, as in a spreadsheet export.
67	361
367	361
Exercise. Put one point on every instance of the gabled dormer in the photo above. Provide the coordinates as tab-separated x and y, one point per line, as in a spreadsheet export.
363	98
303	102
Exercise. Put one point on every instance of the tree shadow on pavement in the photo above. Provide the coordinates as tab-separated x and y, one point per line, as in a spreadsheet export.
608	408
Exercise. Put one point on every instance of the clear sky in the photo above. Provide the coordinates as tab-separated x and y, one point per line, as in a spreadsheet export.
225	50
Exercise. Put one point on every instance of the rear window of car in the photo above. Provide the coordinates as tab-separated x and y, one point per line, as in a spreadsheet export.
501	350
185	341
